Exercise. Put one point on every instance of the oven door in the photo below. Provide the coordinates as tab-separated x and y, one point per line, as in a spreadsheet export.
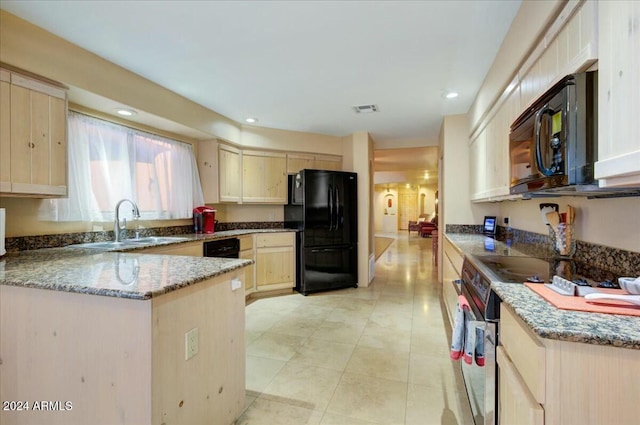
480	381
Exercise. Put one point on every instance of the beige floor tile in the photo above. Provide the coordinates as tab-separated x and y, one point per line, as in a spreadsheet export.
260	372
391	320
275	346
432	370
299	325
346	340
371	399
377	336
326	354
250	336
270	412
333	419
379	363
344	331
442	406
292	385
261	320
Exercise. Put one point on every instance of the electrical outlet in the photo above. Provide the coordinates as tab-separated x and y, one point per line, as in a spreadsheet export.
507	221
191	343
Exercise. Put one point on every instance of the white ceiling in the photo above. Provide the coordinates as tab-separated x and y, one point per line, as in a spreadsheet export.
298	65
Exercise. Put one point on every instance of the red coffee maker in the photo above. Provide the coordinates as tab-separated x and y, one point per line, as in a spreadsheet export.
204	219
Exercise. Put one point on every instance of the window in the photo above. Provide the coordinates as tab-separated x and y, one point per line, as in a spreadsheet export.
109	162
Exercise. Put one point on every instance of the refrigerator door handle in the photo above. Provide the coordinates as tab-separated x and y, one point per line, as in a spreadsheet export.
337	202
330	199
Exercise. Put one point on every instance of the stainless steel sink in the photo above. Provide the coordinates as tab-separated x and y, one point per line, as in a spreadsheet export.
154	240
111	245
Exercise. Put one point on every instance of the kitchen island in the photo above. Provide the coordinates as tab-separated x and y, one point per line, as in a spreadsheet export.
104	337
558	366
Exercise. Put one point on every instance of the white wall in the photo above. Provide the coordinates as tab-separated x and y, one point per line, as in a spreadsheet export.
358	157
454	194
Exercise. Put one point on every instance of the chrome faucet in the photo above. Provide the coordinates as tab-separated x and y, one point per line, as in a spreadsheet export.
116	223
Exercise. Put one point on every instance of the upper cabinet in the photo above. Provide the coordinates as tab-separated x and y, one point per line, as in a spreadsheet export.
619	94
230	173
208	170
33	137
569	46
297	162
264	177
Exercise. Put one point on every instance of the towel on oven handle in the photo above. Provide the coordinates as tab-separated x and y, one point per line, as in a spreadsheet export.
467	340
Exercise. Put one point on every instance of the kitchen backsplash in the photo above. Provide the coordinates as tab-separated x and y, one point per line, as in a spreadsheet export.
618	261
24	243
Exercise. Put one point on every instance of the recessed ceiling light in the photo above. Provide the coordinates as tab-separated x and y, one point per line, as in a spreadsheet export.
251	120
125	112
450	94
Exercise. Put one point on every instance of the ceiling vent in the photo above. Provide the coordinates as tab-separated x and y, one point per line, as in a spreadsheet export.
365	109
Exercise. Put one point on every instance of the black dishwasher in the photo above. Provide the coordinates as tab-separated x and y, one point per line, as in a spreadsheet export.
226	248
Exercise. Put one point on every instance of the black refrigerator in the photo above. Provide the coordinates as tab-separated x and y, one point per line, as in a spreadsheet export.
323	207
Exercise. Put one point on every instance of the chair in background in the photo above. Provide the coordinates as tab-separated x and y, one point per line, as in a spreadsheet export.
415	225
426	227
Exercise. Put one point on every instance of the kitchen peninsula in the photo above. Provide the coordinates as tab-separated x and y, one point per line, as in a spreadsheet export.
121	337
555	366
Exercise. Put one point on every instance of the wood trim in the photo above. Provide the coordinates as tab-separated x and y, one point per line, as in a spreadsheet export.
38	189
31	84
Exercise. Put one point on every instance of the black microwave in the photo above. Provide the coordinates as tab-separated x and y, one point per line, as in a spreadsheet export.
553	144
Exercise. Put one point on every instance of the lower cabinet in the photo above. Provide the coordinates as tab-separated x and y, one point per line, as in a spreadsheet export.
554	382
452	272
247	253
516	404
275	261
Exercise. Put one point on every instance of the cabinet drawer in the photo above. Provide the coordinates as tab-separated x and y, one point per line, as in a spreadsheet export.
454	255
516	405
246	242
274	239
525	351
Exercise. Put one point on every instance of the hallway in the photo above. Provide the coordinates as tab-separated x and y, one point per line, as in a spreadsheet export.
376	355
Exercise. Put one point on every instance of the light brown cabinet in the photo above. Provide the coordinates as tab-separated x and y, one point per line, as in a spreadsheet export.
33	139
247	253
619	94
264	177
208	170
452	272
230	173
297	162
275	261
555	382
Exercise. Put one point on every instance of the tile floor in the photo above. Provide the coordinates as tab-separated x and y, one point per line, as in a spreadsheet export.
376	355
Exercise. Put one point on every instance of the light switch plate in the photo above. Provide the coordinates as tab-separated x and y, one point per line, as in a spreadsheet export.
191	343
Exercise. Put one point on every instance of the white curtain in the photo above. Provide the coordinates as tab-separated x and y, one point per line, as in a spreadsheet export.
109	162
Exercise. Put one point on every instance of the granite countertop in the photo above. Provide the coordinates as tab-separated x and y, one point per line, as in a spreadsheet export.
543	318
118	272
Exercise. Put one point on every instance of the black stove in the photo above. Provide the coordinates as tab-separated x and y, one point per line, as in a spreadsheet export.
479	270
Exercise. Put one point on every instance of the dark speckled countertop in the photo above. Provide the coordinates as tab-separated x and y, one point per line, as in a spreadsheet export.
117	272
543	318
